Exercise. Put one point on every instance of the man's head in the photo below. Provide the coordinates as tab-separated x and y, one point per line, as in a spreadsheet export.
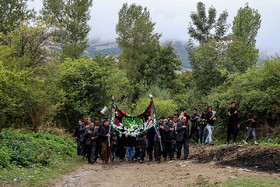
175	119
185	111
176	112
170	122
169	117
255	118
184	119
233	104
85	119
195	111
106	122
89	119
161	120
91	125
97	120
80	122
209	109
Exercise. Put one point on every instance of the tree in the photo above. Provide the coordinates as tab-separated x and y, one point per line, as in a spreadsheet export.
160	69
70	18
13	13
246	24
201	26
29	42
137	39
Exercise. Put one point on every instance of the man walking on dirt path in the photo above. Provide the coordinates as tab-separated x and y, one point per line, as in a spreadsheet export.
251	127
183	138
233	123
105	135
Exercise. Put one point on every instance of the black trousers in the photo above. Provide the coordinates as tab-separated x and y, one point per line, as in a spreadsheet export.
78	147
157	149
137	153
91	153
180	144
169	149
142	155
232	128
83	149
121	151
150	149
195	131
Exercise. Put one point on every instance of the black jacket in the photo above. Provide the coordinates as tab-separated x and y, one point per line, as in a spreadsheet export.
194	120
250	123
203	116
88	137
161	133
82	131
77	132
169	134
183	133
233	118
131	141
208	116
104	131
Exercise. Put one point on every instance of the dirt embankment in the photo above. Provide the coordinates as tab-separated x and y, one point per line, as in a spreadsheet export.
261	158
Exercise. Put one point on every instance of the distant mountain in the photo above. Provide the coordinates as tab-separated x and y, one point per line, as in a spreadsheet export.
111	48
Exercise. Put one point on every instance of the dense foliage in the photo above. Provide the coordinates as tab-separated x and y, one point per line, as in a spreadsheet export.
27	149
42	88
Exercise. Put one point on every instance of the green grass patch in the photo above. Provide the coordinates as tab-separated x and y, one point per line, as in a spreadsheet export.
250	181
39	175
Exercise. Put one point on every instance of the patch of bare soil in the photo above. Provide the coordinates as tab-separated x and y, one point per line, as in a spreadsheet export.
207	166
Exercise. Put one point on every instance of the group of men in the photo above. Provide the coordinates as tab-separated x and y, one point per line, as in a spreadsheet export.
166	139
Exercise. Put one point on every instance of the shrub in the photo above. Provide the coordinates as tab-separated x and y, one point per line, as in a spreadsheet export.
4	157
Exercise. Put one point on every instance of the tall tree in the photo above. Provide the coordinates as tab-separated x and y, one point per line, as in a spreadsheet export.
202	25
137	39
70	17
12	13
246	24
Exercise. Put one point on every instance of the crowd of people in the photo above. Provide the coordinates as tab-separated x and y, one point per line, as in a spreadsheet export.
167	138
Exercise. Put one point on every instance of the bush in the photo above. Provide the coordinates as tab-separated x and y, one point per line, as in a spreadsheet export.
4	157
164	108
43	149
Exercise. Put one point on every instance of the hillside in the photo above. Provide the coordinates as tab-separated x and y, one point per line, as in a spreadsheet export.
111	48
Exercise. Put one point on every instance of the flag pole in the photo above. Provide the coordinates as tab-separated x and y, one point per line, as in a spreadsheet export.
156	128
109	143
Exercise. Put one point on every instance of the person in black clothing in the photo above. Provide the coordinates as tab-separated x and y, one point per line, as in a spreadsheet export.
210	125
150	137
203	123
233	123
83	127
142	146
183	138
91	137
97	125
194	125
176	113
105	134
159	137
186	115
130	144
251	127
169	140
77	137
121	146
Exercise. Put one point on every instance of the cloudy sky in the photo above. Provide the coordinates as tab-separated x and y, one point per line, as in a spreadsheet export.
172	18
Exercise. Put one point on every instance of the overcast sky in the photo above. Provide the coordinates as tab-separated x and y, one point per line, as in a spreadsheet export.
172	18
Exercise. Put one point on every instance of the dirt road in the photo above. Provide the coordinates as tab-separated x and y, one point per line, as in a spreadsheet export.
195	172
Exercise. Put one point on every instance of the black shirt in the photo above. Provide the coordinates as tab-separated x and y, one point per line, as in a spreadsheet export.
233	118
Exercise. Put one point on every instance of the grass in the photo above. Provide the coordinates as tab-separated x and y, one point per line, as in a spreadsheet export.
249	181
38	175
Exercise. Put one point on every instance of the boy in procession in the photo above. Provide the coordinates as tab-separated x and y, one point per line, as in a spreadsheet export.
251	127
159	137
182	138
194	118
